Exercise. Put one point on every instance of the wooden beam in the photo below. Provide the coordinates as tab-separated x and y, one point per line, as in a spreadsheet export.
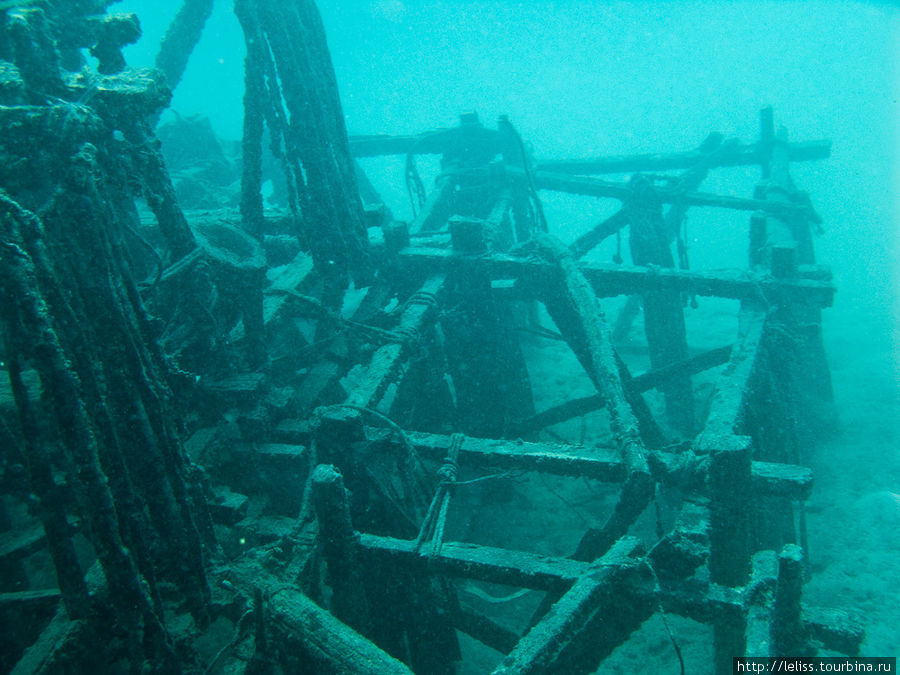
760	593
386	361
738	155
437	208
603	464
597	187
788	635
470	561
338	542
321	642
593	617
613	280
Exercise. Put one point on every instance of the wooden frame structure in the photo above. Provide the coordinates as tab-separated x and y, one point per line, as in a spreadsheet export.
361	420
732	560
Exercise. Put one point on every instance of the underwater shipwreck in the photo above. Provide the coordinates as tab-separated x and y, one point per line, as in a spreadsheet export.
295	434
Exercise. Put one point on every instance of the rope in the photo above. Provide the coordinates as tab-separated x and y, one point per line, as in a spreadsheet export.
414	185
529	176
240	632
662	614
384	418
420	298
433	526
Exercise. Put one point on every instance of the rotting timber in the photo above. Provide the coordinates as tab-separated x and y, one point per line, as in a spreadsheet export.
233	462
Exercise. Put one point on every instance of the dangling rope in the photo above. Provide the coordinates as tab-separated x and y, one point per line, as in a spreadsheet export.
414	185
436	518
617	258
529	176
683	261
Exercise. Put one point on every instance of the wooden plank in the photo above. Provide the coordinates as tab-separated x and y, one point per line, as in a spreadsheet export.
51	595
20	544
326	644
338	542
730	468
378	145
598	463
731	389
738	155
294	431
610	280
597	187
788	635
649	241
638	384
836	630
782	480
437	208
595	236
386	361
311	639
603	464
285	278
318	380
484	563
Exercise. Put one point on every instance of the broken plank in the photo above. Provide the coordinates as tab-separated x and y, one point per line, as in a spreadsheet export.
285	278
782	480
835	629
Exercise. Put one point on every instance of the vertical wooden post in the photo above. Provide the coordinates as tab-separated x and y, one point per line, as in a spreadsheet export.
663	314
181	37
315	138
338	539
788	633
760	595
730	457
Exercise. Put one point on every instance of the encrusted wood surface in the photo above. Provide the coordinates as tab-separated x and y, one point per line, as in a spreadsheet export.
593	617
484	563
610	280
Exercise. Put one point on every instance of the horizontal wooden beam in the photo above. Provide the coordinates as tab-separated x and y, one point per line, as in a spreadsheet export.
738	155
577	407
610	280
484	563
603	464
598	187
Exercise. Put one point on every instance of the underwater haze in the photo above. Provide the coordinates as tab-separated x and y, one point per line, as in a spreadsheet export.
581	78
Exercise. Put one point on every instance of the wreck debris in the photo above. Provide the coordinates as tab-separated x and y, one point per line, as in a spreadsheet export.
344	460
181	38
